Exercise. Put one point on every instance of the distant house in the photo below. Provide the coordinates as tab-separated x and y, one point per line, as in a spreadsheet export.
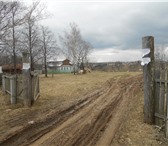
64	66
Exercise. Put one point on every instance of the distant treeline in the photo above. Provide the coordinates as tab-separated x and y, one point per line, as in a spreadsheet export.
117	66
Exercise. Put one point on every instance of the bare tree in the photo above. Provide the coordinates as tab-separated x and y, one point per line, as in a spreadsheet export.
49	46
73	46
84	51
4	23
161	56
11	19
17	19
4	19
31	31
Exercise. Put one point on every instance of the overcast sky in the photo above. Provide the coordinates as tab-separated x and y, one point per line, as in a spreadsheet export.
114	28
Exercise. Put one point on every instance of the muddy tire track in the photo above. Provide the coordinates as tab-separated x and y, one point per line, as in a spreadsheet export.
30	132
85	122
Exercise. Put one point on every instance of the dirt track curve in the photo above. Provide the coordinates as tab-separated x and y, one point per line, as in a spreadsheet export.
92	120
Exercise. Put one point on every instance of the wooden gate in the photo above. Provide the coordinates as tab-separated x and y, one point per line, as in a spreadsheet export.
9	87
161	99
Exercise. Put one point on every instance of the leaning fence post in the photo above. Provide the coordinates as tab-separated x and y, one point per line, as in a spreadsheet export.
26	80
148	73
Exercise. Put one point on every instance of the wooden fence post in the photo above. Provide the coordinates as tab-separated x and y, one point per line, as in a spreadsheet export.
13	89
26	79
148	73
3	84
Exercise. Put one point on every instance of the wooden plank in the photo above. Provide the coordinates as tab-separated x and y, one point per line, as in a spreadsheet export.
162	97
13	89
32	88
36	87
157	95
161	81
166	125
3	84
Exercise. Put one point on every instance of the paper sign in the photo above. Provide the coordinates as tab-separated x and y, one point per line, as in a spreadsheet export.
26	65
145	61
145	56
145	52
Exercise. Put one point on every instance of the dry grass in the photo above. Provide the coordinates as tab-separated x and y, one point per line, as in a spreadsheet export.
56	93
65	88
69	85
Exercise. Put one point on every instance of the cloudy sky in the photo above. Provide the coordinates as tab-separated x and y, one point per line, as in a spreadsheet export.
114	28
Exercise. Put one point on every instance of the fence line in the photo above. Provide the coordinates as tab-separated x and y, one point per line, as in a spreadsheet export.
161	98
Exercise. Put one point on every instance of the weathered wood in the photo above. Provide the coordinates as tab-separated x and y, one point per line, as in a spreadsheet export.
161	99
162	96
166	125
157	95
162	117
3	83
36	87
26	80
148	72
13	88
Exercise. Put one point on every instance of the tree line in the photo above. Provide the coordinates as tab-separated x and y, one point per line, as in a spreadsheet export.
21	31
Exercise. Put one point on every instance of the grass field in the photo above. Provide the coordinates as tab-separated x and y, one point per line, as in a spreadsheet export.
65	87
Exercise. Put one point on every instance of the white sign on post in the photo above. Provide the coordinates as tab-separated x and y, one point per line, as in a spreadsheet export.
26	65
145	58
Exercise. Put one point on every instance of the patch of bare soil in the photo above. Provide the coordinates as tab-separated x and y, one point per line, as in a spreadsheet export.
109	115
134	132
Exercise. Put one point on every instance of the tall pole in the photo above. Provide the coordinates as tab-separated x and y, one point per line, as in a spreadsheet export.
148	73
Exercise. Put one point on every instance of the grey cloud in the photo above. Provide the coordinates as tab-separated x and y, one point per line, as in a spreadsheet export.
112	25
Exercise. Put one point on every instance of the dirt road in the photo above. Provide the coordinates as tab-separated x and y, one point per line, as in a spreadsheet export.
92	120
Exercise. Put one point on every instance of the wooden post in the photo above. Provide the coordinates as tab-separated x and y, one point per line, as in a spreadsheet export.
13	89
26	80
3	84
148	72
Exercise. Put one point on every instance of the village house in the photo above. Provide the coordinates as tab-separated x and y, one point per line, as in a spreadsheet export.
64	66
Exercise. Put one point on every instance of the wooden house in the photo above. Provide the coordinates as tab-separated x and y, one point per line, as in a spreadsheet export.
64	66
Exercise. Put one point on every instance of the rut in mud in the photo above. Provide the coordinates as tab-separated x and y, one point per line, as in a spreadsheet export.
93	120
